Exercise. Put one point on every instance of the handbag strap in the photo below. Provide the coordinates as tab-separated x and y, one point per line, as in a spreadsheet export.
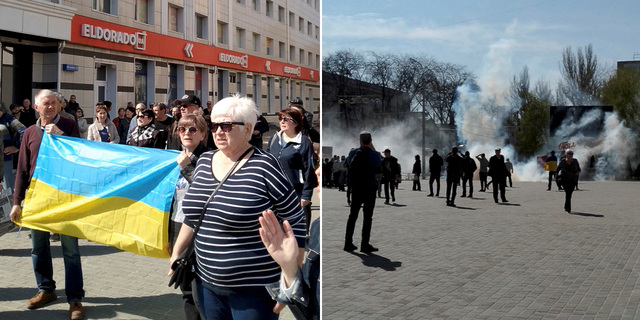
204	208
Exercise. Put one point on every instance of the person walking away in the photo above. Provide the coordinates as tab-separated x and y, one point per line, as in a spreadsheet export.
389	175
551	165
363	164
468	168
484	168
509	166
498	172
435	169
417	171
48	104
568	173
454	164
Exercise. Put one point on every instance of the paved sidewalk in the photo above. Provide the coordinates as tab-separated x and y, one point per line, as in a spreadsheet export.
118	284
524	260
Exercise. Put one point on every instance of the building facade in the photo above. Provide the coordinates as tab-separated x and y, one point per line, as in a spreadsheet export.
158	50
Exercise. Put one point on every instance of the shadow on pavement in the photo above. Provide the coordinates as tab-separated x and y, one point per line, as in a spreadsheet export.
465	208
107	308
56	251
376	261
398	205
588	214
509	204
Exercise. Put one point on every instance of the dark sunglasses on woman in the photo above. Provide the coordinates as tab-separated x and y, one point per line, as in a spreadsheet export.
286	119
225	126
184	129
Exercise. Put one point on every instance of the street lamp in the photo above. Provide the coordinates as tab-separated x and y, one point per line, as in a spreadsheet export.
424	166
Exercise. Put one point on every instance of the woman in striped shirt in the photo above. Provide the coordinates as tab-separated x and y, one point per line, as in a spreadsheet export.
233	266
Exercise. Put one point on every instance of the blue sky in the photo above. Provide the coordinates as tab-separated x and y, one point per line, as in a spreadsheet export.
494	39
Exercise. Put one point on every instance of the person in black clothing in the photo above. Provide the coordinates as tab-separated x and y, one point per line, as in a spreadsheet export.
568	173
417	171
261	127
435	168
73	104
362	181
389	175
28	117
469	166
498	173
454	160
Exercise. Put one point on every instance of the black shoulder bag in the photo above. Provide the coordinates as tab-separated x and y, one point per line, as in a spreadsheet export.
184	267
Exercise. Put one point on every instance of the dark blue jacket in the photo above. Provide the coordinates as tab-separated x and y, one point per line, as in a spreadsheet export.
296	160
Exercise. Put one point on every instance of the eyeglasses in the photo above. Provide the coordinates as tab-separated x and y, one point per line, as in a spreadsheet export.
191	129
286	119
225	126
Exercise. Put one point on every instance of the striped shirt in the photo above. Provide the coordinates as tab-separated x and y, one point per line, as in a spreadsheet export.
229	251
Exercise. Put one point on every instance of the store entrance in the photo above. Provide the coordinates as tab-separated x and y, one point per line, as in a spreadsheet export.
16	74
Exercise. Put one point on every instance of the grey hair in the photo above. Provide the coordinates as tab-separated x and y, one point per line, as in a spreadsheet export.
44	93
237	108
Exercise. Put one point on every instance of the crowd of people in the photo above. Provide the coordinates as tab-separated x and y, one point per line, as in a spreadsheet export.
366	172
275	184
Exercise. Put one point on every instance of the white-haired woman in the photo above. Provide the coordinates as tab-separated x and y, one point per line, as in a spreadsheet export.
233	266
568	172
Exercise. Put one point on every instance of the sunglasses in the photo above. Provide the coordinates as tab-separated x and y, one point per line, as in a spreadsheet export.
184	129
225	126
286	119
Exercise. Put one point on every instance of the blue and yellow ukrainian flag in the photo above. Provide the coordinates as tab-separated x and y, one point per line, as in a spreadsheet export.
107	193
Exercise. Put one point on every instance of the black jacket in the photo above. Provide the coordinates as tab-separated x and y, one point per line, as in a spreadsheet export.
435	163
497	168
297	162
454	164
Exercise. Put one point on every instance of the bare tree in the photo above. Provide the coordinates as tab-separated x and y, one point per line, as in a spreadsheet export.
582	79
519	89
342	70
440	91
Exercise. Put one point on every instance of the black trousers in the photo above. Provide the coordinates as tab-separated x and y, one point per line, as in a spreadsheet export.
434	177
188	298
483	181
452	186
510	182
569	186
389	185
499	183
367	200
466	178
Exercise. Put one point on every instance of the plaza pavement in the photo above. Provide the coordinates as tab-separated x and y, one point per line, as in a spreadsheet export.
527	259
117	284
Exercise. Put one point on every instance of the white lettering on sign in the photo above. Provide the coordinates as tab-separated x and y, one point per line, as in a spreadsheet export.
137	40
292	70
243	61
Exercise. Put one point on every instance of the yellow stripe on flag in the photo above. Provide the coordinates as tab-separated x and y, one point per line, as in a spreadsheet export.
123	223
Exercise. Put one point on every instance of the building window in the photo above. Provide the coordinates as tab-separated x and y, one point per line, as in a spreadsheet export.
240	2
310	59
292	53
255	4
106	6
202	30
309	28
141	80
256	42
317	61
269	45
301	56
281	51
223	32
142	11
301	24
281	14
269	8
292	20
317	32
175	19
240	36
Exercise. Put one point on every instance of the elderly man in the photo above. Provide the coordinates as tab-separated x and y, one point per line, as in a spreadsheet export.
48	105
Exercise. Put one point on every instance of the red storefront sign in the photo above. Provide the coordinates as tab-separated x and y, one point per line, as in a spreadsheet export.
101	34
